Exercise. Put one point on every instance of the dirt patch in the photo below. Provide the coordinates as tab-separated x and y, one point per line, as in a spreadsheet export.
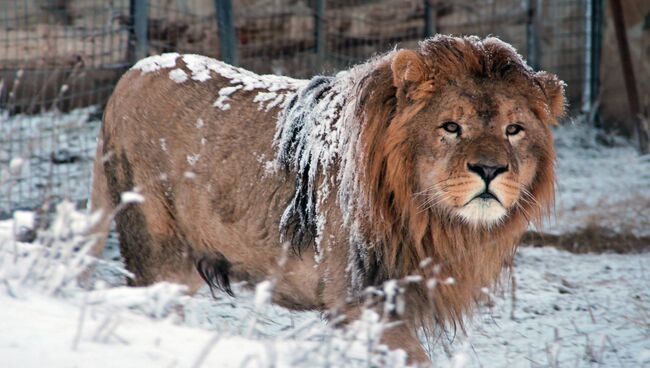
592	239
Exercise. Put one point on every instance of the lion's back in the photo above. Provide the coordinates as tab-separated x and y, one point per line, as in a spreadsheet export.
180	108
193	128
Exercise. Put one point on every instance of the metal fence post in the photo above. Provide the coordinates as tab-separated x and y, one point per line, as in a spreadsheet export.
533	50
430	18
226	26
597	21
139	44
320	31
587	59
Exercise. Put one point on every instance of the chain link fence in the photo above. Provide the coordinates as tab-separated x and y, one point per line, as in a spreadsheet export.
59	60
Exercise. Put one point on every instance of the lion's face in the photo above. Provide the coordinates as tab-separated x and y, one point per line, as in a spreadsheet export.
478	152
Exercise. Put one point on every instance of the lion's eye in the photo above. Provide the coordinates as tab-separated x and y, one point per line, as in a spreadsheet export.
514	129
451	127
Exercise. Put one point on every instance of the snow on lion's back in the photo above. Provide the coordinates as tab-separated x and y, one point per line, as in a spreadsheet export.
273	90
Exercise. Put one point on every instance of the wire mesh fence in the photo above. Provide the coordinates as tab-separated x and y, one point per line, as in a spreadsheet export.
59	60
54	57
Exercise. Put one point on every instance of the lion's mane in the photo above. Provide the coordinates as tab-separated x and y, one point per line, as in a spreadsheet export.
345	137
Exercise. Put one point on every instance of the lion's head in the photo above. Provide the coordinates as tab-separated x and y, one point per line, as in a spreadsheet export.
476	120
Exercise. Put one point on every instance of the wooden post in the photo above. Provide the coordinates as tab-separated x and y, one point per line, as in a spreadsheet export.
227	37
628	74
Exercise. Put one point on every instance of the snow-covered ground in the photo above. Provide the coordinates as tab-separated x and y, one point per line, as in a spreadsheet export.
564	309
567	310
46	157
47	318
602	181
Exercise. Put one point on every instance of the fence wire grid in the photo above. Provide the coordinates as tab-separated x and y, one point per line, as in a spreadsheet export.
59	60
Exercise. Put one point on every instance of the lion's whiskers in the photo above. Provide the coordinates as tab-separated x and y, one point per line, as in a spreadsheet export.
435	185
435	195
523	211
528	197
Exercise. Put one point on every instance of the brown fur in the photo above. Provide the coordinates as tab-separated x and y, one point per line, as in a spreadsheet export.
229	208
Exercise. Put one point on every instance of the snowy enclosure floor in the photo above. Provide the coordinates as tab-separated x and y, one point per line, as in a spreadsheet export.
46	157
601	181
567	310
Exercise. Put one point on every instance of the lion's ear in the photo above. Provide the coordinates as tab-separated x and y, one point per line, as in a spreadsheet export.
408	68
553	89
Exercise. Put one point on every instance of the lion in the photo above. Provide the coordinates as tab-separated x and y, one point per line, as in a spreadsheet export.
415	174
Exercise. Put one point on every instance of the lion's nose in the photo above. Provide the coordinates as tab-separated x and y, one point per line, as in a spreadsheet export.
487	172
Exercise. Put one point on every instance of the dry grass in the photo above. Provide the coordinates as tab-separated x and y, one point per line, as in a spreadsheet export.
591	239
610	226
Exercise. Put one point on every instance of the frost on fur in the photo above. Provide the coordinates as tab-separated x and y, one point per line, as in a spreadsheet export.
154	63
319	127
274	91
178	75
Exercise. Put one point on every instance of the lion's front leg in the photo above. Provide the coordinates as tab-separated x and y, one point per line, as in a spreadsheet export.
397	334
400	336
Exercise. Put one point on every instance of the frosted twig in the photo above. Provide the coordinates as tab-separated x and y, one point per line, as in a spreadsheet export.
206	350
80	322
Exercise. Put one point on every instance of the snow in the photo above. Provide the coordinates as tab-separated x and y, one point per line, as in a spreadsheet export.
15	165
224	95
569	309
202	65
193	159
311	133
178	75
163	144
24	219
154	63
273	90
264	97
592	309
46	156
156	301
601	181
393	303
65	334
132	197
52	318
263	292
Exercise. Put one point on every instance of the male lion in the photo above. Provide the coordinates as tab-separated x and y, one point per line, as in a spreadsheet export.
423	167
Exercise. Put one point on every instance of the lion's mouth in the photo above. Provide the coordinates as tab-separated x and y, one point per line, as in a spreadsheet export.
484	208
486	196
